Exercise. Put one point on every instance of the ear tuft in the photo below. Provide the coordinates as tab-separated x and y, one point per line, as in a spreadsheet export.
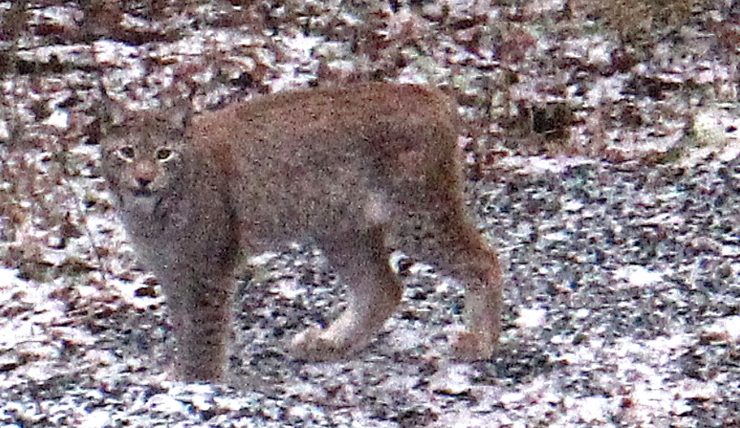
110	112
180	113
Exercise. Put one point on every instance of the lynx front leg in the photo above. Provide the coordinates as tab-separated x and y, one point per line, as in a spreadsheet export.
362	261
200	313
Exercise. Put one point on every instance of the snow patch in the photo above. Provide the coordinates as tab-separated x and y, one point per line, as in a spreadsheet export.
100	357
405	338
724	329
665	219
110	53
593	409
710	125
559	236
302	43
573	206
510	399
600	54
164	403
262	259
540	164
4	132
637	276
58	119
452	379
531	317
96	419
582	313
288	288
664	344
9	279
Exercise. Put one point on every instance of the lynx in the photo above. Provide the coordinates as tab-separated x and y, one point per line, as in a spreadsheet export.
354	169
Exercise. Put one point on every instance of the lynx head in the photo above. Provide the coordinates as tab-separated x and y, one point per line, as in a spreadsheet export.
142	154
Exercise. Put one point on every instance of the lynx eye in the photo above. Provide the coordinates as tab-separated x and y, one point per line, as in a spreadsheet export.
126	152
163	154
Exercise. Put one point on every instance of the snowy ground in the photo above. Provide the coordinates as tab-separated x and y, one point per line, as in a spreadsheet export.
621	244
622	305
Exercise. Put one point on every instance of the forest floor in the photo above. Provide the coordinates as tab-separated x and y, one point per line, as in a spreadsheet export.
603	164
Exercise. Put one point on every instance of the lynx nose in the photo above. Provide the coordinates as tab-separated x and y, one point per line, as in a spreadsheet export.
144	174
143	181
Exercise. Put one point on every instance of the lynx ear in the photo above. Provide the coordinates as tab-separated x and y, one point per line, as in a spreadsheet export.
180	113
110	112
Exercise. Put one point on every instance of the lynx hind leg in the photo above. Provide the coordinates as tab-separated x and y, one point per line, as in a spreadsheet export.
459	251
361	260
200	314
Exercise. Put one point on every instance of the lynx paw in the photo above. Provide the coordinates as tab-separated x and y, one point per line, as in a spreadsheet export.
469	346
315	344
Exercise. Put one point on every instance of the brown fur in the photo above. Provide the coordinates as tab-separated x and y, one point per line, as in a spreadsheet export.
353	168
